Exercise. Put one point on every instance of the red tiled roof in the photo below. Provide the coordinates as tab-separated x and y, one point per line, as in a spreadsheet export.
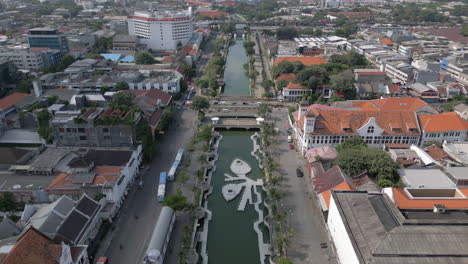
229	3
333	121
436	153
212	14
391	104
33	247
307	61
11	100
151	96
167	59
394	88
443	122
286	77
344	186
292	85
404	202
386	41
106	174
195	2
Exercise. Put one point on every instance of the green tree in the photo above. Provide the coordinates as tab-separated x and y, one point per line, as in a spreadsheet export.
7	202
166	118
264	110
121	86
44	130
342	81
283	67
200	103
25	86
176	201
144	134
352	142
286	33
122	100
142	57
267	84
188	70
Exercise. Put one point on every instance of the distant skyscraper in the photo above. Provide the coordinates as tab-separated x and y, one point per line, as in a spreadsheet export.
47	38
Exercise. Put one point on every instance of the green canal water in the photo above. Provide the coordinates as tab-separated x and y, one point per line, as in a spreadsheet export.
236	81
231	237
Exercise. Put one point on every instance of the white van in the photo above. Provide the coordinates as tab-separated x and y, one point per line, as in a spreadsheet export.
289	139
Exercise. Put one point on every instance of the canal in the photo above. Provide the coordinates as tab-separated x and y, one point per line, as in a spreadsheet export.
231	235
235	75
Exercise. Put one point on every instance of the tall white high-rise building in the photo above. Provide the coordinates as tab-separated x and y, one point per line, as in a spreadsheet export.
161	30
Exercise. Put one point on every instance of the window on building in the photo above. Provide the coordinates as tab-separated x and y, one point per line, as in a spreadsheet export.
61	129
370	130
83	138
105	130
81	130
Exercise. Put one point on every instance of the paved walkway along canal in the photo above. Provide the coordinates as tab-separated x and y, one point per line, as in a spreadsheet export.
235	75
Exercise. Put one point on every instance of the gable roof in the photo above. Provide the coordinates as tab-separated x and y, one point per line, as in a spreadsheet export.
78	220
450	121
399	103
436	153
292	85
307	61
33	247
8	228
333	121
286	77
386	41
324	152
11	100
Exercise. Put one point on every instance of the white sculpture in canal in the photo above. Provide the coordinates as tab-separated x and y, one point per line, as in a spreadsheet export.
230	191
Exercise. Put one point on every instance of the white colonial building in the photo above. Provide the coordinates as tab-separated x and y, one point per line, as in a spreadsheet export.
319	125
448	127
161	30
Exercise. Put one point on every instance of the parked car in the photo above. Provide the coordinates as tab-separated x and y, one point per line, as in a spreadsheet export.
140	185
299	173
289	139
291	146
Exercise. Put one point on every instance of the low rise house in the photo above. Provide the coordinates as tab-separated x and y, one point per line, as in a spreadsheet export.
457	151
371	82
307	61
103	173
447	127
424	92
34	247
66	220
462	110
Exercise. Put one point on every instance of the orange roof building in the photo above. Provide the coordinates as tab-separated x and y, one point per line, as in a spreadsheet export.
448	127
212	14
329	127
307	61
286	77
34	247
403	200
387	41
11	100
